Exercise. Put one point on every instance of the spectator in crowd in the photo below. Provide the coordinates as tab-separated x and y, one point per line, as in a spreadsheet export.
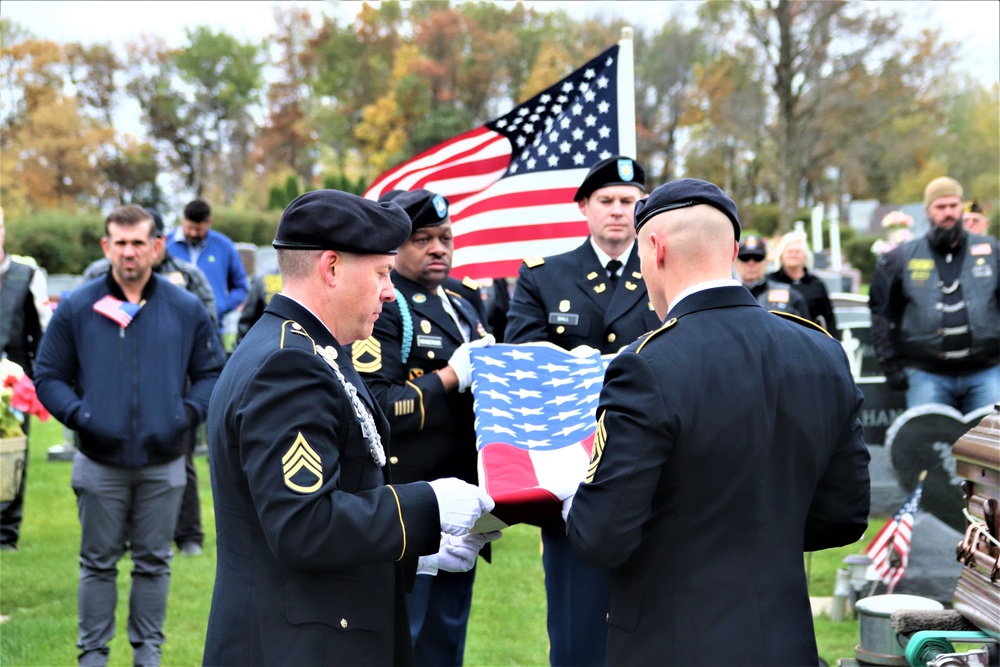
592	296
189	535
795	260
315	540
129	362
24	313
416	363
212	252
974	219
262	288
728	436
935	304
751	269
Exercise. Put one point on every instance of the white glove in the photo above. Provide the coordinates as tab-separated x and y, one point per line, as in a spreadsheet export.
456	554
584	351
459	504
567	505
461	362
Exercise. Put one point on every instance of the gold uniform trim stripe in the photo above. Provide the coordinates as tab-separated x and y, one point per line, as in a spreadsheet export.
420	395
669	323
297	329
801	320
600	438
399	510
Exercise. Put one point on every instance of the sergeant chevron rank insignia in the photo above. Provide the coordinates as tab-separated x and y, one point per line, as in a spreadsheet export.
600	437
367	355
301	467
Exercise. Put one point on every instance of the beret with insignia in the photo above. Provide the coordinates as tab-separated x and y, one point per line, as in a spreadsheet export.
615	170
425	208
684	193
335	220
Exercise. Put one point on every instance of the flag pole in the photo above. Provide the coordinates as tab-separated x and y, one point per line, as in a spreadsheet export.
626	95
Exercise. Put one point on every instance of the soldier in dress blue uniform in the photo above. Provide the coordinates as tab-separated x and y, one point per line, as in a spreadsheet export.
751	270
313	538
728	441
592	296
416	365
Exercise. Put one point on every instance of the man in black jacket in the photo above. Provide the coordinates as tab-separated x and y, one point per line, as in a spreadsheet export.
728	441
129	363
935	305
751	269
315	539
416	363
592	296
24	314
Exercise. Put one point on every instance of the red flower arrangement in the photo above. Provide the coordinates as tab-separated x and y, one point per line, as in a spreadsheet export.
17	400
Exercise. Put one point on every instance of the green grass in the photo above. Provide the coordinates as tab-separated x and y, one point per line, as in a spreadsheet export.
38	586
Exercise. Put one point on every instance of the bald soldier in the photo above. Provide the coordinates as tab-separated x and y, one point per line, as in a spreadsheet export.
728	441
313	537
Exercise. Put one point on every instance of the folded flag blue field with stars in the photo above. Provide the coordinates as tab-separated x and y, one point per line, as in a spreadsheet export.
511	182
535	424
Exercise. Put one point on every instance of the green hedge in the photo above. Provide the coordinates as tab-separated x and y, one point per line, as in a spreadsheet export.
858	251
60	242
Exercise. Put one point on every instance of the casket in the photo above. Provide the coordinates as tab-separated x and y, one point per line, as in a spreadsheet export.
977	462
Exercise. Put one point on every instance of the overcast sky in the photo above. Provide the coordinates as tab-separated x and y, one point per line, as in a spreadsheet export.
975	24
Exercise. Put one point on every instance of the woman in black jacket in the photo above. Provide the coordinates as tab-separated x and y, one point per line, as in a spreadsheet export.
794	260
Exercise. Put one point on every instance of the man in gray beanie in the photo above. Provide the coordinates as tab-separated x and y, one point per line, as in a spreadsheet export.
935	305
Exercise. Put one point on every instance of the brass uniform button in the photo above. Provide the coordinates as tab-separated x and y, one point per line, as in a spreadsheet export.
393	459
430	354
560	329
343	623
612	337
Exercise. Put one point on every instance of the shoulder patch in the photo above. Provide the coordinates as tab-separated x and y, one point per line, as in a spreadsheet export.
532	262
470	283
291	331
800	320
653	334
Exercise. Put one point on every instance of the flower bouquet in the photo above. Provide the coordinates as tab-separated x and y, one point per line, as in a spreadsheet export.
17	400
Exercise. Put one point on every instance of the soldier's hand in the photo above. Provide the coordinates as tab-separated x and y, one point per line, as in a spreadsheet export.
456	554
461	361
584	351
459	504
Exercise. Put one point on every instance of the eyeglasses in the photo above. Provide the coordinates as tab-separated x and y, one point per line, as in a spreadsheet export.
751	258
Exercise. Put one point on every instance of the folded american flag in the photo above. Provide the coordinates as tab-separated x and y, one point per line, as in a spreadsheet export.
535	425
119	311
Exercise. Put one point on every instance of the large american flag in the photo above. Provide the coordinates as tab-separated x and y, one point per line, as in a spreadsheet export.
511	182
890	550
534	406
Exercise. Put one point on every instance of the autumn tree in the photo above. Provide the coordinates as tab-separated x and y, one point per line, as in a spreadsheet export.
287	137
198	100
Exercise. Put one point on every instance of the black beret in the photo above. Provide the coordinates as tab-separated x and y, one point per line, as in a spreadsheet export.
683	193
335	220
615	170
425	208
752	246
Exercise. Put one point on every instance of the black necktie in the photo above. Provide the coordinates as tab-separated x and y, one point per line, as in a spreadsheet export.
612	268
